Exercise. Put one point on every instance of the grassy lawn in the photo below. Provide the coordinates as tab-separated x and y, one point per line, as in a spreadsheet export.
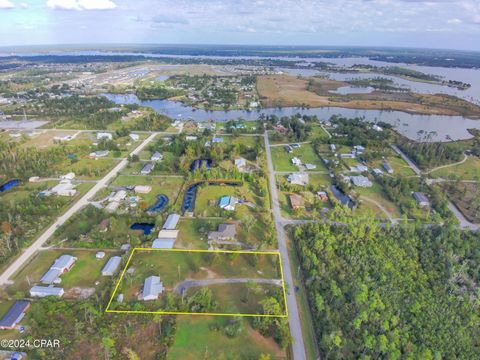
282	161
85	272
89	169
377	194
465	197
193	233
202	338
175	267
47	139
239	299
469	170
169	186
400	167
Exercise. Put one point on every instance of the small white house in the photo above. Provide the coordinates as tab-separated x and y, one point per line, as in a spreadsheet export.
301	179
142	189
69	176
157	157
361	181
296	161
104	135
111	266
240	163
134	137
152	287
64	189
44	291
227	203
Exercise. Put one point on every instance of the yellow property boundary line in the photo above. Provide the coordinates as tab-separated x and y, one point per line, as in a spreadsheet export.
108	310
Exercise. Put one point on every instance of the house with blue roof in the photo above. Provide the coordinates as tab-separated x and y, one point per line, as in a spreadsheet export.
227	203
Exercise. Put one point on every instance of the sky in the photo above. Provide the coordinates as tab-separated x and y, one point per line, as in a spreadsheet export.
449	24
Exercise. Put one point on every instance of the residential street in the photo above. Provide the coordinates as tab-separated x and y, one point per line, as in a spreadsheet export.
81	203
298	347
464	223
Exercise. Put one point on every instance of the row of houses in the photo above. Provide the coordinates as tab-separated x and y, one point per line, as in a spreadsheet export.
168	235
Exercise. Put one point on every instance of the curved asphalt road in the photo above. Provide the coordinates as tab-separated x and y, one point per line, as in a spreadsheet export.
82	202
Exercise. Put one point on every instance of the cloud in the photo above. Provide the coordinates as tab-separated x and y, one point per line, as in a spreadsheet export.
169	19
6	4
454	21
81	4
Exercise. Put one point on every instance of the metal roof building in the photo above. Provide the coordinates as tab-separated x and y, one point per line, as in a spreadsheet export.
64	263
163	243
14	315
152	287
43	291
171	222
111	266
51	276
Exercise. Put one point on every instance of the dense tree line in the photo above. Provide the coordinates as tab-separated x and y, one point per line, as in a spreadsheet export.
95	112
401	292
357	131
431	154
298	127
85	331
21	219
20	162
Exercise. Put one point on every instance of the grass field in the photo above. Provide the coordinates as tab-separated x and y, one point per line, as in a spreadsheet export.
174	267
377	194
282	161
85	272
399	166
469	170
193	233
203	338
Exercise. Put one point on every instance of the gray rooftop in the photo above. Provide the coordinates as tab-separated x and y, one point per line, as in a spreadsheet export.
42	291
111	266
63	262
171	222
152	287
163	243
51	276
14	315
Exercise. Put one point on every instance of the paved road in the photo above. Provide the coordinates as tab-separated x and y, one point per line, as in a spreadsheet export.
414	167
187	284
464	223
298	346
448	165
82	202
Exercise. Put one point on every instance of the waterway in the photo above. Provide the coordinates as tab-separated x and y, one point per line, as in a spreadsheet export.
413	126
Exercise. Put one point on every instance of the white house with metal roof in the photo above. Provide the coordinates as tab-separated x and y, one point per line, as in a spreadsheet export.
171	222
111	266
152	287
44	291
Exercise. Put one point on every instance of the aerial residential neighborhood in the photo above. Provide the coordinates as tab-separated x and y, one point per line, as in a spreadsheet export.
162	197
